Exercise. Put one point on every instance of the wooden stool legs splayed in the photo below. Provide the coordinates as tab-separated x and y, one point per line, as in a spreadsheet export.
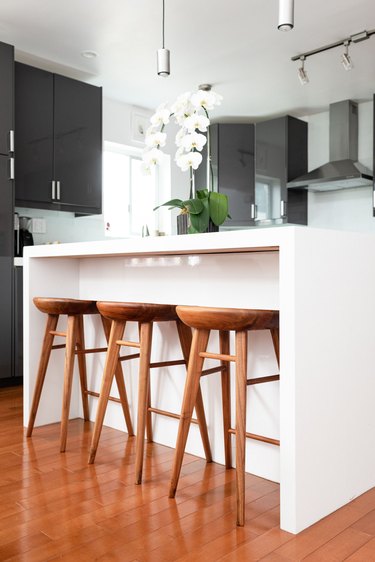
223	319
145	314
75	345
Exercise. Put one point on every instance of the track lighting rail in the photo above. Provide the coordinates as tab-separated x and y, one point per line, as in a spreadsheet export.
356	38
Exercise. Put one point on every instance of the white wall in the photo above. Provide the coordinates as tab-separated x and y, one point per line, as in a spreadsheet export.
347	209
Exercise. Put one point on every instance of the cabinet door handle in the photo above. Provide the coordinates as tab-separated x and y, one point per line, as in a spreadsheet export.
11	168
253	211
58	190
11	141
283	208
53	188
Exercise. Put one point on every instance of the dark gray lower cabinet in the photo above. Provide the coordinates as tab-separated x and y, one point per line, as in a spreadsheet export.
18	324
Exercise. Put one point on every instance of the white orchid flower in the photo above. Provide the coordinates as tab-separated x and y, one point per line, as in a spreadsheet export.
179	152
156	139
193	140
152	157
180	135
204	99
181	103
161	117
196	121
189	160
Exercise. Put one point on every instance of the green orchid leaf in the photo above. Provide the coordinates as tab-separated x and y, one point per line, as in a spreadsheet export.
194	206
200	221
191	230
218	207
173	203
202	193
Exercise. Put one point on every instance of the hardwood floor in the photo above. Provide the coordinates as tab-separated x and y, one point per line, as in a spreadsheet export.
55	506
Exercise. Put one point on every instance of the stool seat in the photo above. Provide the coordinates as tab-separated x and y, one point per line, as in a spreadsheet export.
72	307
136	311
208	318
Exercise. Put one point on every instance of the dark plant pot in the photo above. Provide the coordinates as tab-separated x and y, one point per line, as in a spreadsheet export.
212	227
182	224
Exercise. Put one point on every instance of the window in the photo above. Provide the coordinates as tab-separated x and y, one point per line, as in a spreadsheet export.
129	196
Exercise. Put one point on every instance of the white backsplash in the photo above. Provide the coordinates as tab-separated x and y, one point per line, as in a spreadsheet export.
65	227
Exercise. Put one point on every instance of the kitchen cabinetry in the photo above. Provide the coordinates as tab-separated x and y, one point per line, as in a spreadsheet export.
281	155
232	161
58	142
6	212
18	323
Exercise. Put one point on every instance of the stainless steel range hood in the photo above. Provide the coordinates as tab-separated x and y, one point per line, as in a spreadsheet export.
343	170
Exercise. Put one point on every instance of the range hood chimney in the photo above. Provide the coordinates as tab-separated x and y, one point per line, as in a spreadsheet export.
343	170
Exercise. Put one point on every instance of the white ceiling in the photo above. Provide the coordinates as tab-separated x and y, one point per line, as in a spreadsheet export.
235	45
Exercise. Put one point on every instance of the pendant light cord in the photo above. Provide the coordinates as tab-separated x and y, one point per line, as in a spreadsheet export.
163	23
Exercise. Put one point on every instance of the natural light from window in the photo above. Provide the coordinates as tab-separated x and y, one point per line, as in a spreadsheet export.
129	196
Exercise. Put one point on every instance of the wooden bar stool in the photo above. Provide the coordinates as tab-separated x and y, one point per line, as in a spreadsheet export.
242	321
145	314
74	309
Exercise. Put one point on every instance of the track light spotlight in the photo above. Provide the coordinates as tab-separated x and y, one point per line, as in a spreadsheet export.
286	15
163	55
346	60
302	74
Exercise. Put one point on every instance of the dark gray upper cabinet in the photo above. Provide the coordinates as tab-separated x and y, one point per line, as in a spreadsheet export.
6	97
281	155
6	214
58	142
232	160
34	138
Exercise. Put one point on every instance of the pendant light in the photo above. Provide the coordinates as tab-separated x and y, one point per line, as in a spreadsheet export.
163	54
286	15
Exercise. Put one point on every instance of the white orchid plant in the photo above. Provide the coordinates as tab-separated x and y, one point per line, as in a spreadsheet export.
190	112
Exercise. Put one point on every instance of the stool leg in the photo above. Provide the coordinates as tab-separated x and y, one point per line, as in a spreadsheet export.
225	396
119	375
143	395
82	367
149	433
117	331
71	340
241	376
185	337
42	369
200	340
276	343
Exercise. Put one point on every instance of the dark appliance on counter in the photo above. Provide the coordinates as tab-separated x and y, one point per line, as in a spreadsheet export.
23	236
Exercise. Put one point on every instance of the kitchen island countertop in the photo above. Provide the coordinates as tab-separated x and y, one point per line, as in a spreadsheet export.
321	281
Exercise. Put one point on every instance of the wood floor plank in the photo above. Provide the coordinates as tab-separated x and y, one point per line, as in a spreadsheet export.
364	554
340	547
56	507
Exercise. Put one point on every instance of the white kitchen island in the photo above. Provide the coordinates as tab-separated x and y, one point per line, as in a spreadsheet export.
323	409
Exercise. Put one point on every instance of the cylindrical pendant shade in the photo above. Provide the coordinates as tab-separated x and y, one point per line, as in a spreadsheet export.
286	15
163	60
